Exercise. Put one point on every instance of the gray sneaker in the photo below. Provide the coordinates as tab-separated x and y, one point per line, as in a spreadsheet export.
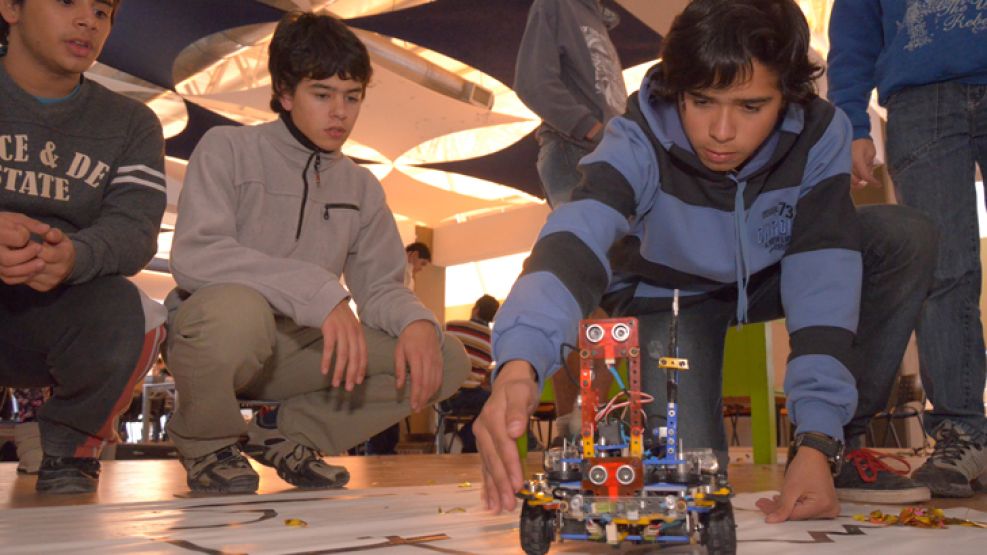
67	475
223	471
866	478
296	464
956	465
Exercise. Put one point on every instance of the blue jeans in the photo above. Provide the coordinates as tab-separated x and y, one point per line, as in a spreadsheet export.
898	251
558	161
935	134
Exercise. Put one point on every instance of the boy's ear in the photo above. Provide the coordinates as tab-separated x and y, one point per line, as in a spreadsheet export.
287	101
10	10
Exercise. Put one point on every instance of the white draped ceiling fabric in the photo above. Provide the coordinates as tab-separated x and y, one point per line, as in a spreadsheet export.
405	122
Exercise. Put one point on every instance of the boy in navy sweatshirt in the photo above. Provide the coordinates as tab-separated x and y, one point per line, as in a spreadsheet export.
728	180
928	61
81	198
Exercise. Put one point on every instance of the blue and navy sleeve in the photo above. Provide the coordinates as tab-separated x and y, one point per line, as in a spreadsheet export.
568	271
856	40
821	277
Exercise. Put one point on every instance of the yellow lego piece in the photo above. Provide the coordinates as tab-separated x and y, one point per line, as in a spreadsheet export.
671	363
637	446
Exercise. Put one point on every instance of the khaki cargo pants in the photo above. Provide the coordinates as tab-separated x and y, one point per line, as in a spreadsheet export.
226	343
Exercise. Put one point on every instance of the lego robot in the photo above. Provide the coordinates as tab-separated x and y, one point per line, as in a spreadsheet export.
617	484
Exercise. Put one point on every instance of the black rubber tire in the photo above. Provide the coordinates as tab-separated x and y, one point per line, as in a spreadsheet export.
719	533
537	530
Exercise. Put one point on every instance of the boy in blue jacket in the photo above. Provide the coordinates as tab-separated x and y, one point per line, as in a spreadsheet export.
937	117
727	179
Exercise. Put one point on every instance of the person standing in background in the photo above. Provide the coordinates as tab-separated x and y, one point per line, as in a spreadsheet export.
568	73
937	131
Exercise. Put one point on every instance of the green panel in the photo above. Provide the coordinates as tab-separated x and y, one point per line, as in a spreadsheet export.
548	392
622	370
746	374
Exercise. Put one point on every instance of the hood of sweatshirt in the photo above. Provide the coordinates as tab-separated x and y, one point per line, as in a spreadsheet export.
665	123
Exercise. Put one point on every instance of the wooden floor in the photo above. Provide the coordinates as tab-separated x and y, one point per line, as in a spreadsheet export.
159	480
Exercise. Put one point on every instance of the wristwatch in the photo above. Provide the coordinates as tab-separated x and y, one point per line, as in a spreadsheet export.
832	448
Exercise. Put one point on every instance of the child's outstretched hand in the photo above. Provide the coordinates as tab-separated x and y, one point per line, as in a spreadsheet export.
503	420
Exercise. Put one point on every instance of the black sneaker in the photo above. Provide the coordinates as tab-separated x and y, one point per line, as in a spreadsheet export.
958	465
67	475
223	471
296	464
865	478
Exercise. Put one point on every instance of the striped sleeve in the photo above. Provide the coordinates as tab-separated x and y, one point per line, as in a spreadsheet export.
123	238
142	175
568	270
623	170
476	340
821	279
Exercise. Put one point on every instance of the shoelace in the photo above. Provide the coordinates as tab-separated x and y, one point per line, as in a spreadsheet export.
299	455
869	464
232	456
950	446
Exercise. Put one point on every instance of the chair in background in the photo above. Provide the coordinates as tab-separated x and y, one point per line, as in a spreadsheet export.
447	426
908	402
748	376
255	406
544	412
158	398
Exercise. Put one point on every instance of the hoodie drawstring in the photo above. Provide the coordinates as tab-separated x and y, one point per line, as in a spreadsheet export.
743	248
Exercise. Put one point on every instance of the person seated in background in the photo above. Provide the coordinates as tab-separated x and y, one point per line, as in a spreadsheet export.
270	219
419	256
728	181
475	336
386	441
82	201
27	434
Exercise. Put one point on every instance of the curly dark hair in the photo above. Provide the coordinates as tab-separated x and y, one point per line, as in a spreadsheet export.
712	44
421	248
314	46
5	27
486	308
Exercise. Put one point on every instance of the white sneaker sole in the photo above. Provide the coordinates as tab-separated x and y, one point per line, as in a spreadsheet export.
919	494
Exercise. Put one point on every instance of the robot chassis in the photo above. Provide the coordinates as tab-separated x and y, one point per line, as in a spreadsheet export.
615	486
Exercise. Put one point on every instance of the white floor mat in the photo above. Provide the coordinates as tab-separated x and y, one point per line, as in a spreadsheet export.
393	521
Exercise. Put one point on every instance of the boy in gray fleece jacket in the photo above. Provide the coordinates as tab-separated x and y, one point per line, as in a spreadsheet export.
81	198
270	218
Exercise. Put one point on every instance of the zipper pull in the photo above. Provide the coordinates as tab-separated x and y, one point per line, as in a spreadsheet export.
318	174
325	213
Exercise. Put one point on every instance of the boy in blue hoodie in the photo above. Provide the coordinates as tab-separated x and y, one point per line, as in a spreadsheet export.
728	180
937	130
